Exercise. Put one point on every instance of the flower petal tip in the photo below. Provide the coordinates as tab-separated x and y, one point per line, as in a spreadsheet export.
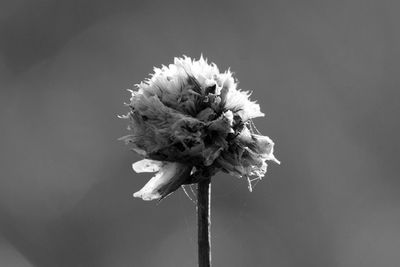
276	160
147	165
147	196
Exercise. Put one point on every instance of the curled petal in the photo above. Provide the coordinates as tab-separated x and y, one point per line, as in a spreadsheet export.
147	165
169	178
265	147
239	101
223	124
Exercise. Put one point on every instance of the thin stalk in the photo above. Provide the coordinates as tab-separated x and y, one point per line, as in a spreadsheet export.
204	222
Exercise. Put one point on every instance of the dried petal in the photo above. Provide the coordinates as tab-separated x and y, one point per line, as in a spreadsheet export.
190	114
147	165
169	178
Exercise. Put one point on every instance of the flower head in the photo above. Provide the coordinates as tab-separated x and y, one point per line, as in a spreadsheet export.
189	121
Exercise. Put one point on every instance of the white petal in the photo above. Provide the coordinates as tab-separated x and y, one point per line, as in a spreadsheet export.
266	147
229	116
147	165
151	190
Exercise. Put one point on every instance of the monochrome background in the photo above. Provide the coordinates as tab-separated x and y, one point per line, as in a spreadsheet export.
326	73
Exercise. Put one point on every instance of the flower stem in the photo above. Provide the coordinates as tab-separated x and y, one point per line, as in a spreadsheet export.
204	221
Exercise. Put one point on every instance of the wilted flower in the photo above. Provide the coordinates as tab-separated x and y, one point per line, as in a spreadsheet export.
189	121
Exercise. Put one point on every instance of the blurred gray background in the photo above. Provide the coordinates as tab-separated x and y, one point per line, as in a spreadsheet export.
326	73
